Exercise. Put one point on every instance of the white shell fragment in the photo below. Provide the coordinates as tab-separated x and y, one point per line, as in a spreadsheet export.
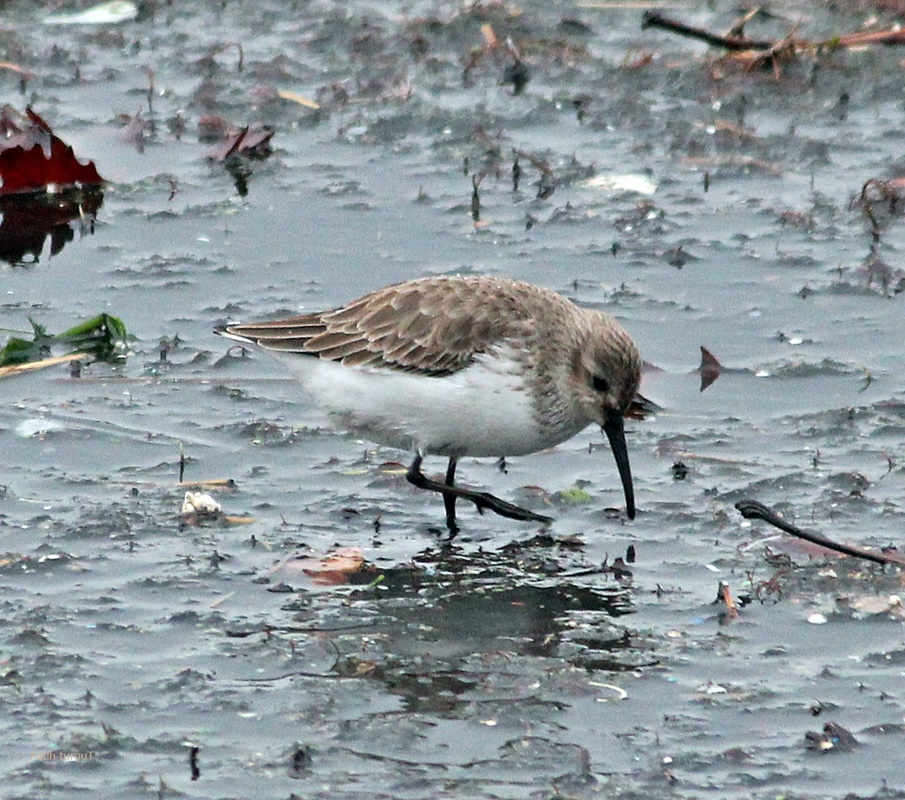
37	427
102	14
200	503
639	184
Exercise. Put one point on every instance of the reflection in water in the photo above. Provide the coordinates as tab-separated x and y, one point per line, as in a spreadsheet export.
447	624
27	220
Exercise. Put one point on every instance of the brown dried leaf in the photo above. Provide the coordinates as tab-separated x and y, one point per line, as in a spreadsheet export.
246	142
333	569
710	368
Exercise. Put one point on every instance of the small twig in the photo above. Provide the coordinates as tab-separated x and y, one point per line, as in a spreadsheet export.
193	762
738	28
536	161
889	37
268	629
654	19
751	509
782	50
297	673
26	74
16	369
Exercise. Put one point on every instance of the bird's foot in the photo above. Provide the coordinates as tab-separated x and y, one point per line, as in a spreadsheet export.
482	500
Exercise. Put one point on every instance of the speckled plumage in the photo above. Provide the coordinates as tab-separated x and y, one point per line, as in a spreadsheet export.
462	366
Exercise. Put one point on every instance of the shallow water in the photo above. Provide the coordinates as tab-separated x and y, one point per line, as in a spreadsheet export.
499	664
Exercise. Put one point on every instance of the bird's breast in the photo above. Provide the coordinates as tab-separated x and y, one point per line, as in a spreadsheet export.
485	409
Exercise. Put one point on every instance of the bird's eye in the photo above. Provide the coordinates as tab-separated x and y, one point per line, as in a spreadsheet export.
600	384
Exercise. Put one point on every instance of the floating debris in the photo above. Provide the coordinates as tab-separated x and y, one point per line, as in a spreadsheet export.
103	337
200	503
729	608
710	368
34	159
332	569
833	737
102	14
73	360
620	693
751	509
245	142
37	427
640	184
297	98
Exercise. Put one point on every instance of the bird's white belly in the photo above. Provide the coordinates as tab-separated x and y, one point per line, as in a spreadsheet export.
483	410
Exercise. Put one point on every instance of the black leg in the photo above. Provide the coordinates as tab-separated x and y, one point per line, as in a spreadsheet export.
481	499
449	500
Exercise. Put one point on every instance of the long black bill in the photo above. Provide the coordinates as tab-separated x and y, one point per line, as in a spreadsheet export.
615	432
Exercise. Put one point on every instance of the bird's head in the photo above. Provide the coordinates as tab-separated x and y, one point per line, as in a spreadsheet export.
606	374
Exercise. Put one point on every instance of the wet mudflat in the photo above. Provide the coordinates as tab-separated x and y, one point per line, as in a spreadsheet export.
510	662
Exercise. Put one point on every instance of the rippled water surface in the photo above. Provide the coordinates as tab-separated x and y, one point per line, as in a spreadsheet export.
508	662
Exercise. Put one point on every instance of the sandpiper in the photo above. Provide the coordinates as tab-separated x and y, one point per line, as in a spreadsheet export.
462	366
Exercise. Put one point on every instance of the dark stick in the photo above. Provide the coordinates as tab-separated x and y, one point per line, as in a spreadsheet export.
654	19
751	509
481	499
537	162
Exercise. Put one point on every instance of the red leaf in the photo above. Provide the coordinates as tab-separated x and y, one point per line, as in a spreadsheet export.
34	159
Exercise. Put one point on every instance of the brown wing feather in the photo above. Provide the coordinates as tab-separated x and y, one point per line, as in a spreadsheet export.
435	326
